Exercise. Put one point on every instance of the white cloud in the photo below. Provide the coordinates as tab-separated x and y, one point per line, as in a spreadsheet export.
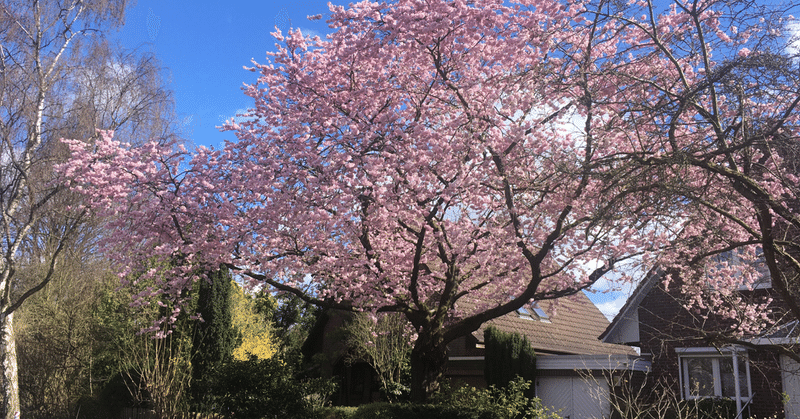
610	293
311	32
609	303
793	38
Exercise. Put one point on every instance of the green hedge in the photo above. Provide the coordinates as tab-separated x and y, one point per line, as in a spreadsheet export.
266	388
708	409
422	411
465	402
508	355
337	412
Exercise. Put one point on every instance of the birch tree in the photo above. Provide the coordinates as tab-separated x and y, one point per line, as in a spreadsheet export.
58	77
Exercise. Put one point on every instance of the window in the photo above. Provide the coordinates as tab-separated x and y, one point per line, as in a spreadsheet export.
524	313
540	312
709	372
734	263
532	311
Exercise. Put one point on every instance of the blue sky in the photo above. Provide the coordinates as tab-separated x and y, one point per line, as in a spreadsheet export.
204	44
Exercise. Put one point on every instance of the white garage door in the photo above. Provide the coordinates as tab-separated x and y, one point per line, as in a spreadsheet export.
790	370
574	397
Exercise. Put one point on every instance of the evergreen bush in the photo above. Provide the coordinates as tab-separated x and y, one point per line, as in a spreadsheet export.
422	411
509	402
507	356
337	412
265	388
465	403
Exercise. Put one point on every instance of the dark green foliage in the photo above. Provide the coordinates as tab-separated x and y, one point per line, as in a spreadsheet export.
715	408
464	403
109	401
266	388
663	406
508	355
214	338
337	412
509	402
421	411
292	319
397	391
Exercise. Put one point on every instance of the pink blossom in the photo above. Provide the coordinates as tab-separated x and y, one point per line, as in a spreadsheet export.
427	152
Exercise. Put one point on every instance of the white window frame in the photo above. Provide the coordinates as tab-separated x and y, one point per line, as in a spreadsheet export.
734	353
533	311
763	284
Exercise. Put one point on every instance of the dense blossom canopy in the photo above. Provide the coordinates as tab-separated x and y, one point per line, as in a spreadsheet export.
401	155
428	151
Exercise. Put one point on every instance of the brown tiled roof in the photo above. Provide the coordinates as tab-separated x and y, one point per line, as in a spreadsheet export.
574	326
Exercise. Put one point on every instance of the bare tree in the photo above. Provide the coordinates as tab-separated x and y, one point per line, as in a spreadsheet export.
158	371
58	78
56	332
648	397
384	343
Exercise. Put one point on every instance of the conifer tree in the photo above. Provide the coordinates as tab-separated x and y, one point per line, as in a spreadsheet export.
507	356
215	338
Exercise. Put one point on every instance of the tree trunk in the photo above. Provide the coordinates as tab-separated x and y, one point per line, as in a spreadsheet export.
8	354
428	358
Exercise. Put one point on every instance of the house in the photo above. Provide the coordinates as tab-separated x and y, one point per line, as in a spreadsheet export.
694	357
575	370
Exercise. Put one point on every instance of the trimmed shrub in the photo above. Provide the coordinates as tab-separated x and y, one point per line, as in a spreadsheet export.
422	411
465	403
508	355
509	402
337	412
709	408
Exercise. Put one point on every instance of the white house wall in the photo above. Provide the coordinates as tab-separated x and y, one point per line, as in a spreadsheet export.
575	397
790	372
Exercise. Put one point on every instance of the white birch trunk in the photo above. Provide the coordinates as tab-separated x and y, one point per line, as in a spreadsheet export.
8	354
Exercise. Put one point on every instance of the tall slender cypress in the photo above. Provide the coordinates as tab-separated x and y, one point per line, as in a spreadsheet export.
215	338
507	355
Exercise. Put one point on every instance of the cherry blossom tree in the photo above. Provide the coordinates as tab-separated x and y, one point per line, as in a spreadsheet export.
424	154
710	92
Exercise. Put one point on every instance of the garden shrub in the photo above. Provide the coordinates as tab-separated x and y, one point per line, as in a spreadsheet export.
266	388
421	411
465	403
709	408
373	411
508	355
337	412
509	402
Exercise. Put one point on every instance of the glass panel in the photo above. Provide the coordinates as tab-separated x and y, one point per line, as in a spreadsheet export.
539	311
744	386
726	376
701	376
524	313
